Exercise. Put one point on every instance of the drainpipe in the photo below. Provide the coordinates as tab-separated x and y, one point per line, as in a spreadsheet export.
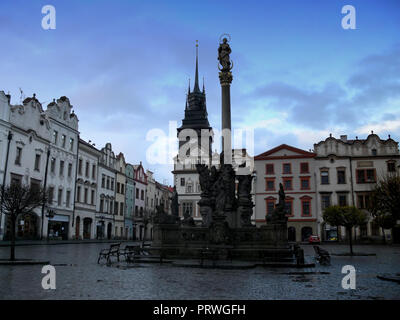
9	137
45	186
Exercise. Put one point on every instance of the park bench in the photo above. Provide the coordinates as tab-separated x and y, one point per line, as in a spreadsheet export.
130	253
112	251
136	253
322	256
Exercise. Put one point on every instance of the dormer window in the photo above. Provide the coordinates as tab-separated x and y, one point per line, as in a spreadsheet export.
374	152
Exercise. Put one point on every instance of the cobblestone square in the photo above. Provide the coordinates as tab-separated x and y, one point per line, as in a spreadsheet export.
78	276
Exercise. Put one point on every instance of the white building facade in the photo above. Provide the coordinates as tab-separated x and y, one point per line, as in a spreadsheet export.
61	175
86	191
346	172
105	219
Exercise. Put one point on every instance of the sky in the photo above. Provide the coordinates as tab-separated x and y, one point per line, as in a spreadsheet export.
125	66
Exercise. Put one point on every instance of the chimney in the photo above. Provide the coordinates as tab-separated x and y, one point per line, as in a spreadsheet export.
343	138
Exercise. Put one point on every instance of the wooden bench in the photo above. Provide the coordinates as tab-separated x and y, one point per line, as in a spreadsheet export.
130	253
136	253
322	256
113	251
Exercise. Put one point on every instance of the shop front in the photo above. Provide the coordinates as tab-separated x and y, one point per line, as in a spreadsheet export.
58	227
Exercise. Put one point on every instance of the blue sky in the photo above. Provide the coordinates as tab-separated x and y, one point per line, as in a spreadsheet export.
125	65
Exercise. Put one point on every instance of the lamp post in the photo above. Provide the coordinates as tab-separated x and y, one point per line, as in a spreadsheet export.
44	186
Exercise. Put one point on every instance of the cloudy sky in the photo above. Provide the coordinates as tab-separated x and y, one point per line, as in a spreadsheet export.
125	66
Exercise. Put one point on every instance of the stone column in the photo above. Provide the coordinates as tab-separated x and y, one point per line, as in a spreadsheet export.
225	78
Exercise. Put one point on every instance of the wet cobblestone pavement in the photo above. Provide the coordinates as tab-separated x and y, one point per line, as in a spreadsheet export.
80	277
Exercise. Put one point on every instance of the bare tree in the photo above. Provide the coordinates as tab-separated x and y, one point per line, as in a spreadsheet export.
17	200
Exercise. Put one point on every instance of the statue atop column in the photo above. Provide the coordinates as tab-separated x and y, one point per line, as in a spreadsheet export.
224	51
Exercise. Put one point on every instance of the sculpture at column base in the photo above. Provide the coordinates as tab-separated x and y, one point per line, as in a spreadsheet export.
161	217
278	215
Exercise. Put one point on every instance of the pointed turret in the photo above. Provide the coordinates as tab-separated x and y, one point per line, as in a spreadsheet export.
196	78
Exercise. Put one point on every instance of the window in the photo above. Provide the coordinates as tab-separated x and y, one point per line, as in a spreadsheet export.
342	200
87	169
35	184
366	175
61	168
51	194
53	165
374	152
287	168
137	193
182	182
112	184
63	138
85	196
37	162
18	156
341	176
289	206
118	187
59	197
306	206
92	197
16	179
269	184
122	188
69	170
55	135
324	177
80	167
136	211
305	183
110	211
187	207
116	208
363	201
108	183
391	167
94	171
189	188
270	206
68	198
101	205
121	209
287	183
325	201
103	181
78	194
269	168
142	195
304	167
71	144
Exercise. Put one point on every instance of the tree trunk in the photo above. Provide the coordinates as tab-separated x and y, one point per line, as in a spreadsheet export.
12	247
383	236
350	240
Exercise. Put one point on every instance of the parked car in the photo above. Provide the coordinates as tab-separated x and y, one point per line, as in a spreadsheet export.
314	239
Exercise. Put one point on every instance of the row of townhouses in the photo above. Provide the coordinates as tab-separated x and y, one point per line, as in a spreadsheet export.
337	171
93	194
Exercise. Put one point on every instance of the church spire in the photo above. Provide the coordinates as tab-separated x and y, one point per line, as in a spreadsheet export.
196	80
